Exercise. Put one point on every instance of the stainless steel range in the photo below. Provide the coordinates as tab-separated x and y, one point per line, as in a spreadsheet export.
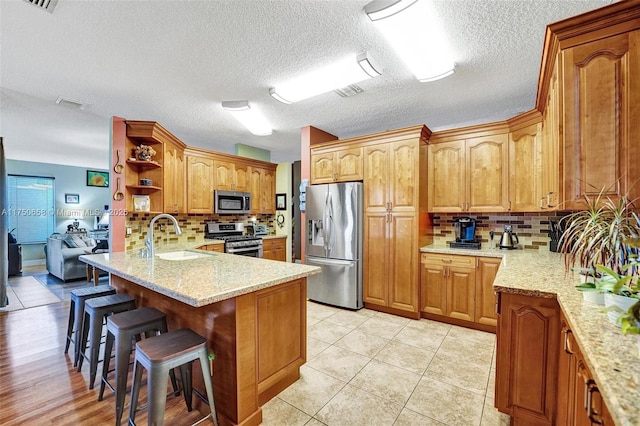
235	241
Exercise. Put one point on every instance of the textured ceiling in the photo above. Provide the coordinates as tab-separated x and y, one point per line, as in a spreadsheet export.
175	61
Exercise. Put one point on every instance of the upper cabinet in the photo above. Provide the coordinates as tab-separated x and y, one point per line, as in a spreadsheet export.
336	165
588	94
468	171
525	167
200	177
262	188
601	114
175	182
230	176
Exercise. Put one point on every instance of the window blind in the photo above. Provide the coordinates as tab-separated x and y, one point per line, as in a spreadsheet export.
31	207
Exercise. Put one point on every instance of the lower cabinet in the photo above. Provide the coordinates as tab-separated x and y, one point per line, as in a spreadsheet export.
218	247
274	249
459	287
579	400
527	358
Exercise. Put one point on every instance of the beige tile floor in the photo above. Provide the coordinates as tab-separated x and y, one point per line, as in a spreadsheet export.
373	369
26	292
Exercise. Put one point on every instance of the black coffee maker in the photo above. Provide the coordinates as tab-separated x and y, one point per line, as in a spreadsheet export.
465	229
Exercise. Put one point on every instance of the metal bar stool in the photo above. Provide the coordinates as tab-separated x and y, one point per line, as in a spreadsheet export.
76	311
95	312
122	328
158	355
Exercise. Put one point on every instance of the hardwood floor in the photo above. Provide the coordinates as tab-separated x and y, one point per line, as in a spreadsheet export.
38	384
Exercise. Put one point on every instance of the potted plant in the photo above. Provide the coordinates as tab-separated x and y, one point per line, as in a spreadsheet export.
598	235
621	291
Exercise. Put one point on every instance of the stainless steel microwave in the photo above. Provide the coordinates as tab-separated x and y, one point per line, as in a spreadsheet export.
231	202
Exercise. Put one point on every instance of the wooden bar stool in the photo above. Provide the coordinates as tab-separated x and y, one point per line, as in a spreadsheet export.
122	328
158	355
95	312
76	311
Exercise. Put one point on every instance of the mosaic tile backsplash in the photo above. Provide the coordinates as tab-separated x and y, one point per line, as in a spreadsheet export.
532	228
192	226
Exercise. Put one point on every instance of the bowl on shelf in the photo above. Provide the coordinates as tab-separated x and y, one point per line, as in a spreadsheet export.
146	182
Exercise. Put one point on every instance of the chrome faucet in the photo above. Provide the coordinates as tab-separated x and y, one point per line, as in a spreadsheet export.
148	242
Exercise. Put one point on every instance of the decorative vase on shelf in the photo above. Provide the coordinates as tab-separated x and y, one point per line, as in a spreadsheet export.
144	157
144	152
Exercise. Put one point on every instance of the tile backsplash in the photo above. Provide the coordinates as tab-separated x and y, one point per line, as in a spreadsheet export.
532	228
192	226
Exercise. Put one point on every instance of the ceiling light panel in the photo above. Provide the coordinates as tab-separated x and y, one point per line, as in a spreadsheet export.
249	117
350	70
416	34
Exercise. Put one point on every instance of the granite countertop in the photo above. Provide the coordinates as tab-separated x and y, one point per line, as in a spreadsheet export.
210	278
612	357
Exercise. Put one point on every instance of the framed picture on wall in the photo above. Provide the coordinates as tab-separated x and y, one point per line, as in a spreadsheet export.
281	201
95	178
71	198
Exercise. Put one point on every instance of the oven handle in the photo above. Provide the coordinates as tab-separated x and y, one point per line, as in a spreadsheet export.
243	249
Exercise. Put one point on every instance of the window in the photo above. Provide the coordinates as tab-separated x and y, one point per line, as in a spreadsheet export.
31	207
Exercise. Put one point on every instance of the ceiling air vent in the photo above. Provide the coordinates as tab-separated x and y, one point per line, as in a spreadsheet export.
71	103
349	90
47	5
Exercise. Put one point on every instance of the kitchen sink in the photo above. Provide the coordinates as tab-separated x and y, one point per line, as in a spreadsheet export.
181	255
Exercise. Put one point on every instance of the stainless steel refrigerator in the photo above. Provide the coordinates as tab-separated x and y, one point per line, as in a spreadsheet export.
334	243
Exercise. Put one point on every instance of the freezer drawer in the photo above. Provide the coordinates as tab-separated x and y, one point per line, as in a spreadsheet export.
339	283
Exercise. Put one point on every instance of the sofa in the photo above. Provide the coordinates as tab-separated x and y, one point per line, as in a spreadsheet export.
62	252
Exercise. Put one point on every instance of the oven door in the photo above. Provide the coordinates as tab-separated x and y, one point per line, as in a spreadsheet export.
251	251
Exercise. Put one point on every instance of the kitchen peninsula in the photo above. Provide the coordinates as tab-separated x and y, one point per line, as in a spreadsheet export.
252	312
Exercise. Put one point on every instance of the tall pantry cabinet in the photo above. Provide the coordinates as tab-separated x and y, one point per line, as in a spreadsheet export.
394	202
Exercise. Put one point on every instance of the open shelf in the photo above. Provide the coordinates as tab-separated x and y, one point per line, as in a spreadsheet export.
145	164
144	187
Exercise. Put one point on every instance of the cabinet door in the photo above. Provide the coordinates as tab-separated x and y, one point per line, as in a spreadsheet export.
375	268
404	168
527	358
446	177
349	164
199	185
551	142
174	180
566	374
485	303
525	172
268	192
224	174
241	178
255	179
376	178
403	262
433	289
323	168
461	285
601	92
487	179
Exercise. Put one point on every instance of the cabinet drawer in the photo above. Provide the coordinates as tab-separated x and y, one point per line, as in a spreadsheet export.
449	260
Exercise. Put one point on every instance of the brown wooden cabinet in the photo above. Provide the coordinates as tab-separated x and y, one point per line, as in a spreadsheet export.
525	168
550	145
262	188
601	90
485	300
200	177
468	174
230	176
175	182
527	358
336	165
459	287
391	177
579	400
217	247
275	248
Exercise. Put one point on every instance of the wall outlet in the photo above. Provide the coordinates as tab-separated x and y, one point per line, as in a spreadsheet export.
129	230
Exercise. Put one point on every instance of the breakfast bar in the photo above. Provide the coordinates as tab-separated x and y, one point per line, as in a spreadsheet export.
251	311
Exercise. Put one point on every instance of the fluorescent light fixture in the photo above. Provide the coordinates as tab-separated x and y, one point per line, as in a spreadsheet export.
414	31
248	117
350	70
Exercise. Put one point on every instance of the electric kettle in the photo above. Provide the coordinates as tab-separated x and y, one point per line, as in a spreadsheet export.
509	240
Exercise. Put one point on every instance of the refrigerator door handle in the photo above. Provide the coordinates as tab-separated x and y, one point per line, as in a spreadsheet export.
324	224
329	227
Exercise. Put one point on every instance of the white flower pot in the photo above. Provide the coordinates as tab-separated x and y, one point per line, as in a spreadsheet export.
623	304
593	297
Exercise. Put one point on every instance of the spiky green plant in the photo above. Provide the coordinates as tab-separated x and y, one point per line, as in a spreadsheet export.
598	235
